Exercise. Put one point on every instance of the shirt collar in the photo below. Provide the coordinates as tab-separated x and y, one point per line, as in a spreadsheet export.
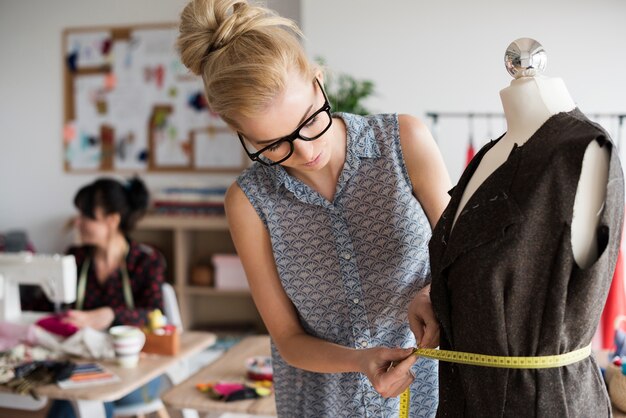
360	136
361	143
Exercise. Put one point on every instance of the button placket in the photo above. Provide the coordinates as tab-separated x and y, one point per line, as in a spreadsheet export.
351	282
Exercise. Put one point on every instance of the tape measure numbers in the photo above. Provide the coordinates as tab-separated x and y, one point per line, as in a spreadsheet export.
506	362
405	397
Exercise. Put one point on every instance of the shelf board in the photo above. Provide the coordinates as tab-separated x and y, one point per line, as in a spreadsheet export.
207	223
211	291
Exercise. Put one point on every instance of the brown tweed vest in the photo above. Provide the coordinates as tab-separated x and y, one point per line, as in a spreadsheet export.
505	282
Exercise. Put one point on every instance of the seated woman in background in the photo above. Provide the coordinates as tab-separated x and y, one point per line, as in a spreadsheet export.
119	280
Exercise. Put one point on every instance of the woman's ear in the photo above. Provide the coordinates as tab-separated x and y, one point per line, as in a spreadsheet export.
319	74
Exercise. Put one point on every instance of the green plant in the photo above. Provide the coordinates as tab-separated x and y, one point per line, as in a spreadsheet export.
346	93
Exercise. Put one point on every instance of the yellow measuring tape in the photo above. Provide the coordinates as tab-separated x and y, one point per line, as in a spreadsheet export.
539	362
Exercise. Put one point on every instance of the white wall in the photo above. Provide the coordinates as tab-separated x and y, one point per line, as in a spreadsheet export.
35	193
448	55
439	55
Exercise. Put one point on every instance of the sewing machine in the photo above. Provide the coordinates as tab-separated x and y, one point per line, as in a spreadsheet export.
56	274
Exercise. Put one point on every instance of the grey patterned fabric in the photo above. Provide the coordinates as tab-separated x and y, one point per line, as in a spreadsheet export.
505	281
350	267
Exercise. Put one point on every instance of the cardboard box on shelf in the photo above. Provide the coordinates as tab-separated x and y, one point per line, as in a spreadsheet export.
228	272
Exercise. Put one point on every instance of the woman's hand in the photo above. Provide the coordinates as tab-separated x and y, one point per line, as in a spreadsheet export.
388	369
422	319
99	319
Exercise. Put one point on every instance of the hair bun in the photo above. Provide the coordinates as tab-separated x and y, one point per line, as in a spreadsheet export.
138	195
210	25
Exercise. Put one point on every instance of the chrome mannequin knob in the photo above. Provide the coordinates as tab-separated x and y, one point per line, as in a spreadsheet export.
525	57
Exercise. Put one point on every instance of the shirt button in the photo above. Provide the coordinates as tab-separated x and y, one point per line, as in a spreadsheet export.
363	344
346	256
355	300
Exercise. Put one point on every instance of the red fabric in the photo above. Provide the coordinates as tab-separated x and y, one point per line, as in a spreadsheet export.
615	304
55	325
470	153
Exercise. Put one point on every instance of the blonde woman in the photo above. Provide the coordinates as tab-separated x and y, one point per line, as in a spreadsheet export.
331	222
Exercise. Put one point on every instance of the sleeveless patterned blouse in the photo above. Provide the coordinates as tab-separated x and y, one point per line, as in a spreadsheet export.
350	267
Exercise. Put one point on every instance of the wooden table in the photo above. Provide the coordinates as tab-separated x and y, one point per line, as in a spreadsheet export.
230	366
88	401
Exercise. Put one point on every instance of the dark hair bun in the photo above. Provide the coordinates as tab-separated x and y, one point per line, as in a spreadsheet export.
129	199
138	195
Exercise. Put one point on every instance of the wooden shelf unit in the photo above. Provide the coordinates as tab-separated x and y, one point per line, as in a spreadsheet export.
186	241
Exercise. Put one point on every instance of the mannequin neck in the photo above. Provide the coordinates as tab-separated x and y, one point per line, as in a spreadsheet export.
530	101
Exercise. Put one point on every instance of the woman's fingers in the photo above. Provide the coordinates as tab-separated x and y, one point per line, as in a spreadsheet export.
398	376
417	326
423	321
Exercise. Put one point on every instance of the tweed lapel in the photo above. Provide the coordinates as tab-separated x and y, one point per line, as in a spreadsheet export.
487	214
441	233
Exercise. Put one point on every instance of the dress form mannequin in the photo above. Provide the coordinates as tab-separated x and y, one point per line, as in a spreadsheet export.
529	101
507	279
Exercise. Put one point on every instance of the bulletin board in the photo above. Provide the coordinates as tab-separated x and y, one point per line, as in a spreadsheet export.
131	105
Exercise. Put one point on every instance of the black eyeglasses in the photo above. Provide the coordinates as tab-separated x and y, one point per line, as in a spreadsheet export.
280	150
